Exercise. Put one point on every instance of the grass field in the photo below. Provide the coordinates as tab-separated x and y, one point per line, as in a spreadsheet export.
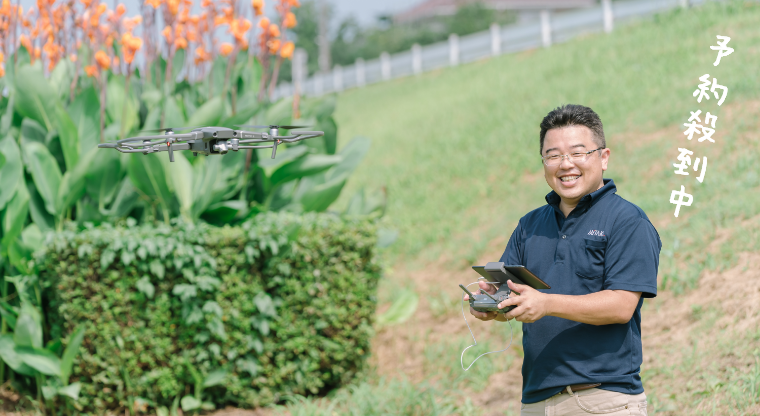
458	152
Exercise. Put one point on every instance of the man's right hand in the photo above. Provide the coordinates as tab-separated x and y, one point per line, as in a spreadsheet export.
486	316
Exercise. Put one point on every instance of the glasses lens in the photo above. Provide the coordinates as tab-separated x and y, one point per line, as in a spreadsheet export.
552	160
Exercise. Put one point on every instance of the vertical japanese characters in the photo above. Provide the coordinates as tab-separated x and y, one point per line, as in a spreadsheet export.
701	126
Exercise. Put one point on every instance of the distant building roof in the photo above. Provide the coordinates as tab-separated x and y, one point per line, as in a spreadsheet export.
429	8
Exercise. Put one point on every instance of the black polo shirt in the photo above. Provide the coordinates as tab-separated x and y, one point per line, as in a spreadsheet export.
606	243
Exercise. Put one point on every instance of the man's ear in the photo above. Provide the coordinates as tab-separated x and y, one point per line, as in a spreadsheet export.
605	158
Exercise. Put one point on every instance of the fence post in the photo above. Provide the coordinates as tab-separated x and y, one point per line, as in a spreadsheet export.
361	79
337	78
298	70
385	65
318	87
453	49
495	39
416	58
608	17
546	29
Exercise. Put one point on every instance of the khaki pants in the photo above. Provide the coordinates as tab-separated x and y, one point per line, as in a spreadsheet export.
588	402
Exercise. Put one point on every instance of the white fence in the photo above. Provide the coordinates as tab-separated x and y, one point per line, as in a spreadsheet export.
550	28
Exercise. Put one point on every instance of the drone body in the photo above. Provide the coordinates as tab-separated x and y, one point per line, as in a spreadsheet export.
209	140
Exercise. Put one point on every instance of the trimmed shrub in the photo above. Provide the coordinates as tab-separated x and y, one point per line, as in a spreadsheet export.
241	315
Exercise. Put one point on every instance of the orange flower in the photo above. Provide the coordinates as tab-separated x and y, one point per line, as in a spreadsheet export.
287	50
102	59
37	53
73	57
167	32
86	3
180	43
115	61
91	70
264	23
226	48
2	57
2	71
274	31
294	3
274	46
258	7
154	3
121	9
290	20
173	6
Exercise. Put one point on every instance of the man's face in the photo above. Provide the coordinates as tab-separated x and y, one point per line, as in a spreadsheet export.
572	180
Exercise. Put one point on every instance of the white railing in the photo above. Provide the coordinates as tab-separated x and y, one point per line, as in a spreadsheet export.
549	29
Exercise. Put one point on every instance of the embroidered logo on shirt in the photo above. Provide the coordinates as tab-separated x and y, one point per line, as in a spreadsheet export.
596	233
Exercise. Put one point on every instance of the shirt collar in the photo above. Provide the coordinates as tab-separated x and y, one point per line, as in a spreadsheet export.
588	200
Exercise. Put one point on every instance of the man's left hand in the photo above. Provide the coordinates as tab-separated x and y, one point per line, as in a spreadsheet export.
531	304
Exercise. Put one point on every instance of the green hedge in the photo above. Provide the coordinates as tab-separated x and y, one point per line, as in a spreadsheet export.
282	305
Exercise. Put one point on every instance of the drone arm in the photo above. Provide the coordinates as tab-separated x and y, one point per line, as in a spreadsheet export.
162	137
303	136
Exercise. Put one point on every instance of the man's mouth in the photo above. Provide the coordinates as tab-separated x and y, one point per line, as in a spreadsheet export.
569	178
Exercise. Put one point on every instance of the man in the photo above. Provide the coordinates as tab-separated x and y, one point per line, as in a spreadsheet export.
599	253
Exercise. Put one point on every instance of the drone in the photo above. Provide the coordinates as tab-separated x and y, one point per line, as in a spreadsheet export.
209	140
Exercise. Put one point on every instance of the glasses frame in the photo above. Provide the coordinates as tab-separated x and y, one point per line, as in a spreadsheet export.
562	157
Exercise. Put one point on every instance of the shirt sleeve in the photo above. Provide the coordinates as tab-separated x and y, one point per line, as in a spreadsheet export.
632	258
513	254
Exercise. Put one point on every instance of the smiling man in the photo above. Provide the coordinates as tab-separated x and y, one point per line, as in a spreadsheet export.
599	253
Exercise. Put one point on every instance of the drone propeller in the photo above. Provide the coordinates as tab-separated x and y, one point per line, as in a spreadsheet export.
165	129
270	126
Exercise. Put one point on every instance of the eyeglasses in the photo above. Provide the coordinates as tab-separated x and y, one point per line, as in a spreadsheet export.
577	157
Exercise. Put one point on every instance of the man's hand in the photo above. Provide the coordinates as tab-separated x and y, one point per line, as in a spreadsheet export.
486	316
531	304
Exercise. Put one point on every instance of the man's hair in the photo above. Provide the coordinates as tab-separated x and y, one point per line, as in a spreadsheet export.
573	115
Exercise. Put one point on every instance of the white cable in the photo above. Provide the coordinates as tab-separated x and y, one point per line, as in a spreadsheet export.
461	358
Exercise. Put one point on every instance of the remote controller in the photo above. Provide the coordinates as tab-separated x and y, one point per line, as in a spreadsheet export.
488	303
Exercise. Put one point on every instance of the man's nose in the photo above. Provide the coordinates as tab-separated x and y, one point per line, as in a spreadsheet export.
565	161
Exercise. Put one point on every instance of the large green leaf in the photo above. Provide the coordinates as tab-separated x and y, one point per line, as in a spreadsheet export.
179	180
173	116
10	172
331	134
208	114
73	183
40	359
147	175
28	332
304	166
280	112
8	354
37	210
60	78
402	308
15	214
32	130
35	98
352	153
215	378
75	341
104	175
178	62
315	196
85	114
2	160
45	172
126	199
283	157
205	174
68	136
117	98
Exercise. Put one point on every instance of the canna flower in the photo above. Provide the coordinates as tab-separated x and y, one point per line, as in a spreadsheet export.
287	50
102	59
274	46
274	31
167	32
226	48
73	57
116	61
264	23
180	43
258	7
120	10
2	71
2	58
290	20
91	70
294	3
172	6
154	3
